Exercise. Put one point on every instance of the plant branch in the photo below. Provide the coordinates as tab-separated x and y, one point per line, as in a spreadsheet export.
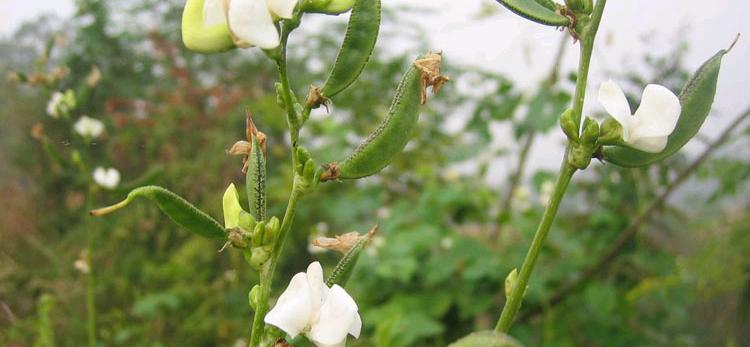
628	233
567	171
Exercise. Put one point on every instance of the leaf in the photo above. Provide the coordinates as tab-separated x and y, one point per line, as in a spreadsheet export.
535	11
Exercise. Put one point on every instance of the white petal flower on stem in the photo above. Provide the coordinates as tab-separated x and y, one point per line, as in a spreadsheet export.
53	104
325	315
88	127
107	178
649	128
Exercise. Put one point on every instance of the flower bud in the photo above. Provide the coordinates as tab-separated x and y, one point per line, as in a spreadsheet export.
611	132
568	125
253	296
258	232
258	257
201	37
231	207
246	221
510	282
590	132
580	6
271	230
329	6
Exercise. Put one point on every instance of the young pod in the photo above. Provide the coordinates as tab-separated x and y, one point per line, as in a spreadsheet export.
696	99
389	138
176	208
345	267
355	52
255	181
536	11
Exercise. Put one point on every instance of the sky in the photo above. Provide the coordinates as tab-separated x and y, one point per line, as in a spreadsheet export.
523	50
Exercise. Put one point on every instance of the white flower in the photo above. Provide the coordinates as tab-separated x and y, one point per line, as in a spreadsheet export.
88	127
107	178
250	21
325	315
653	122
61	103
53	104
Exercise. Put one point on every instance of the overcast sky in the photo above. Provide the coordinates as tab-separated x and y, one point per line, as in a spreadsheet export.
523	50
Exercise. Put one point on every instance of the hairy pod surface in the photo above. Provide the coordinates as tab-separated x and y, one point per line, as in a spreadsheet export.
696	99
391	136
345	266
536	11
355	52
255	181
176	208
486	339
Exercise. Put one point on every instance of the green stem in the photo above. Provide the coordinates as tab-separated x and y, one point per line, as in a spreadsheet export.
512	305
90	280
268	270
519	288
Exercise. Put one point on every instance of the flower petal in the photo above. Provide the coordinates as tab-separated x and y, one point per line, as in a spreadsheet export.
282	8
658	113
356	326
614	101
336	317
318	288
251	23
292	311
650	144
214	12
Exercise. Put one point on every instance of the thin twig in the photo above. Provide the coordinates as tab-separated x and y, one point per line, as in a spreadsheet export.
629	232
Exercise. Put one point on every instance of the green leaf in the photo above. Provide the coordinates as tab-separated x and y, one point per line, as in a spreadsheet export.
176	208
696	99
361	35
486	339
536	11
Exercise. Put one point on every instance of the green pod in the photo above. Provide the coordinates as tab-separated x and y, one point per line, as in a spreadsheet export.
536	11
176	208
361	34
696	99
486	339
548	4
255	181
345	266
391	136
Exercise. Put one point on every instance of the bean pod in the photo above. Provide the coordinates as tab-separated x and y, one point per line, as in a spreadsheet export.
696	99
537	11
355	52
255	181
176	208
345	266
390	137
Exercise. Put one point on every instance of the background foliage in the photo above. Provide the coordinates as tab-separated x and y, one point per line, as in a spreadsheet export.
447	240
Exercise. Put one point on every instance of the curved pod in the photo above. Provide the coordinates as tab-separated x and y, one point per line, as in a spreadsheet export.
355	52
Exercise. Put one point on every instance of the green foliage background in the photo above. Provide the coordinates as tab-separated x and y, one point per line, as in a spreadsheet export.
436	270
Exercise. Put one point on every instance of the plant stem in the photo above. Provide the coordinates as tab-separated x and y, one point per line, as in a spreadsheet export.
511	307
268	270
519	288
628	233
90	280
